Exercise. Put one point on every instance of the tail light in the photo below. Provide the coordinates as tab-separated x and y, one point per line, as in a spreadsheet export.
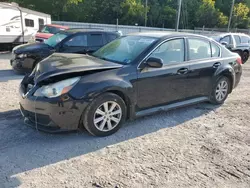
239	61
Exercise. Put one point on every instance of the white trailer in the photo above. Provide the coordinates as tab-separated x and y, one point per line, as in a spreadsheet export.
18	25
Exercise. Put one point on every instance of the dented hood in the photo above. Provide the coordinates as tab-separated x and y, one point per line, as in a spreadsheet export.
59	63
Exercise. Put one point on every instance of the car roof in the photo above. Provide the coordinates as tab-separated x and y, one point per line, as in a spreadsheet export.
87	30
166	34
225	34
57	26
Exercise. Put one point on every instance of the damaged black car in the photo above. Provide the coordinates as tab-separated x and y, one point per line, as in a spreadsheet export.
132	76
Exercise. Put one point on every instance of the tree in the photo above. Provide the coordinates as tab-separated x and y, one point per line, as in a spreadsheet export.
132	12
189	13
161	13
240	16
53	7
207	14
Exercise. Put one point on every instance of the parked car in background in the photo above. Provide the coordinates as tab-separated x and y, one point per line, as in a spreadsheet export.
25	57
236	42
132	76
48	31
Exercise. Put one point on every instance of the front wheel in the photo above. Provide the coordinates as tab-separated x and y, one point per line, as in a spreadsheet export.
105	115
220	91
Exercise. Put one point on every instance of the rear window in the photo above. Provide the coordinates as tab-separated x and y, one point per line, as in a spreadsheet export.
245	39
199	49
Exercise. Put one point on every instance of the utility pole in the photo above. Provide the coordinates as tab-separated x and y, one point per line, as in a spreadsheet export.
146	12
178	15
231	14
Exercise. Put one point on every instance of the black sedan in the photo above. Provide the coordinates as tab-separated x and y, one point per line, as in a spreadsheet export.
132	76
25	57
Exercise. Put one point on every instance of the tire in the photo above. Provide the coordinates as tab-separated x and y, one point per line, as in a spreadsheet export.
245	56
92	115
214	98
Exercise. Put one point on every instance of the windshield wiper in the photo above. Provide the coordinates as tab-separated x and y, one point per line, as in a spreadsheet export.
106	59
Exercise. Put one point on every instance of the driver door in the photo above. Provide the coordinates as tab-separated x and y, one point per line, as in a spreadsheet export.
160	86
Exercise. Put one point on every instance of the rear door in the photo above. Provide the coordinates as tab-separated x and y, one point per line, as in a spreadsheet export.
204	59
95	41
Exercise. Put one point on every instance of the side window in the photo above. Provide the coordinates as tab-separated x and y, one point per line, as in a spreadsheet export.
226	39
29	22
215	50
171	51
199	49
237	39
77	41
111	37
95	40
245	39
41	23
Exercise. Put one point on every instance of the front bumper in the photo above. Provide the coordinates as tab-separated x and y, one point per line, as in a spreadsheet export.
51	115
17	65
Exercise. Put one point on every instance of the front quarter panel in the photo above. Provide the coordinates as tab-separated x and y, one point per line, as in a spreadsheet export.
93	85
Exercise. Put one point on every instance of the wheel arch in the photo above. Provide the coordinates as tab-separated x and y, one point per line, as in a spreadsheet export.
126	98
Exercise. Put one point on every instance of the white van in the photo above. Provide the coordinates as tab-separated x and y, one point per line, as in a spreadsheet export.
18	25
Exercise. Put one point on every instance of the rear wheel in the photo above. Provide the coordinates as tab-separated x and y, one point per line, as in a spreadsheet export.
220	91
245	56
105	115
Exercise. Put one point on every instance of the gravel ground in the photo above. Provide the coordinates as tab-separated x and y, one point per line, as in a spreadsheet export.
197	146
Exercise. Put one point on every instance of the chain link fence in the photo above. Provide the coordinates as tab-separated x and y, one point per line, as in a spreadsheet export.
222	30
125	29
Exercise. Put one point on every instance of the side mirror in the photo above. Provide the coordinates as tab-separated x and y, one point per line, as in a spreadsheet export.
225	44
154	62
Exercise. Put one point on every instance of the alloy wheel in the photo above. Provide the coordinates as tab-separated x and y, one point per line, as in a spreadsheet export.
107	116
221	90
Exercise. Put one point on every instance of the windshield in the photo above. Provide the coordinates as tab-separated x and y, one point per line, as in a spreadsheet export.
52	30
125	49
55	39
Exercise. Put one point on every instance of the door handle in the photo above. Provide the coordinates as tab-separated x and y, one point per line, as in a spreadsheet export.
182	71
216	65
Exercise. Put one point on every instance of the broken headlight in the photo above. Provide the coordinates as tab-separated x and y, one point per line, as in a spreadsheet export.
57	89
21	56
